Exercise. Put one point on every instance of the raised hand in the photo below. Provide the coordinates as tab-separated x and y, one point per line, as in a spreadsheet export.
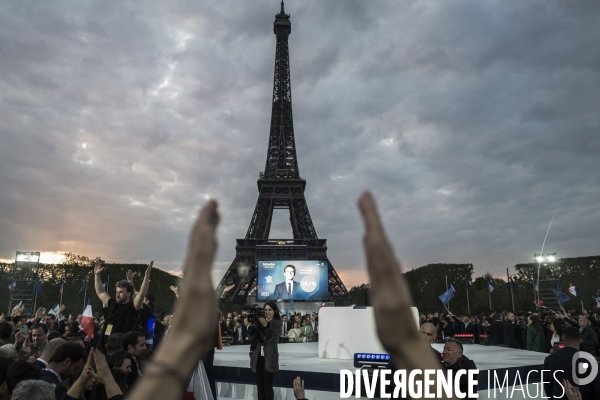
129	275
149	270
572	392
390	295
193	327
298	388
98	266
27	346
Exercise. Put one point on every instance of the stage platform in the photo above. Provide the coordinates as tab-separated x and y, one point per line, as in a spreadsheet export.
322	376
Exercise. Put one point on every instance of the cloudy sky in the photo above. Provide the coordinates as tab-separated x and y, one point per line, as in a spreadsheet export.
471	121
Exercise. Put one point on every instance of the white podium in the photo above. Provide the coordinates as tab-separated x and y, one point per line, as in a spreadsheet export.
344	331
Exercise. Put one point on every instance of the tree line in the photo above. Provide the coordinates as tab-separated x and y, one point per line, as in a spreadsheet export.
74	271
428	282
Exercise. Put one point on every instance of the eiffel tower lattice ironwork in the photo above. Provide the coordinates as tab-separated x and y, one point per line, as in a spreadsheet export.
280	186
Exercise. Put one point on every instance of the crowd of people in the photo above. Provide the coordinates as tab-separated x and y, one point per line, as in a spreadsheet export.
297	328
133	352
541	332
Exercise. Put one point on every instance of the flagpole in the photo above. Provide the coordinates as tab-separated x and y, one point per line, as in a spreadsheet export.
468	304
448	307
510	289
536	300
62	289
489	294
85	293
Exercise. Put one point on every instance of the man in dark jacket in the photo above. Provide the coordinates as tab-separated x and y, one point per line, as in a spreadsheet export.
512	332
589	338
561	364
66	361
455	361
497	331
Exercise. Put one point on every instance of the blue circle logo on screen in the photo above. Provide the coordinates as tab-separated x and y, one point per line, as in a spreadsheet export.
308	283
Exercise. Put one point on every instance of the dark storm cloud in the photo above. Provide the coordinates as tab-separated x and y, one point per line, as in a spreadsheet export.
471	121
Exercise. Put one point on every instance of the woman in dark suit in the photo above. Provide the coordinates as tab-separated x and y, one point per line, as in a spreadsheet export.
264	358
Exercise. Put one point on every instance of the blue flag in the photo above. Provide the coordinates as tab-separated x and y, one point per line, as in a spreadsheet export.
82	288
38	285
560	296
447	296
513	285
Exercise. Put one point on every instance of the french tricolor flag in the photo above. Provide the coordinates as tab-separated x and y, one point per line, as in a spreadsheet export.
490	287
450	286
12	286
87	321
574	290
60	291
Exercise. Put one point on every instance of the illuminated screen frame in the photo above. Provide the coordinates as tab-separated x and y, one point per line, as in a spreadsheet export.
309	284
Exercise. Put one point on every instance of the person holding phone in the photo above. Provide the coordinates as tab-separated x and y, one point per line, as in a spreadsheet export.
264	359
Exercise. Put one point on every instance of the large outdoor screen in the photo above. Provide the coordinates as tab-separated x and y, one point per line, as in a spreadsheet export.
292	280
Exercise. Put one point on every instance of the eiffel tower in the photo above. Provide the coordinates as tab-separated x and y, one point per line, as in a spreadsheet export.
280	186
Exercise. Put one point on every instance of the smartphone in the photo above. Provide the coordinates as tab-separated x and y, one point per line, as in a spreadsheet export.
24	329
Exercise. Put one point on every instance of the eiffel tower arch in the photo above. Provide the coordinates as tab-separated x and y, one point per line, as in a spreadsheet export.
280	186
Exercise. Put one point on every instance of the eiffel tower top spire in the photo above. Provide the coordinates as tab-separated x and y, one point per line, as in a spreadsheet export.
282	162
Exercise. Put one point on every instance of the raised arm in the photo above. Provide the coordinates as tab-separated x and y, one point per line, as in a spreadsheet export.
138	302
102	295
190	337
391	298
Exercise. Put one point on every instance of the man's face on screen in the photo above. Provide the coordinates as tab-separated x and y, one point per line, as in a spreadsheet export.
289	274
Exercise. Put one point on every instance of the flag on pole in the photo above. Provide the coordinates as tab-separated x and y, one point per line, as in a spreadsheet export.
450	286
447	296
468	286
82	288
513	285
54	311
574	290
60	291
12	287
560	296
540	303
38	285
597	302
535	288
87	321
106	284
490	287
18	305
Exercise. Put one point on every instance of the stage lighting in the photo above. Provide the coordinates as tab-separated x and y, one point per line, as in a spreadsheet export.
540	259
465	338
551	258
28	257
370	360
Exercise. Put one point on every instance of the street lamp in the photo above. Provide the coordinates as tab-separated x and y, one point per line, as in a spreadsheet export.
542	258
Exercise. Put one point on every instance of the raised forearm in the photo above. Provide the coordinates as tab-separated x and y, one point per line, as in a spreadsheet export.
98	285
144	287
